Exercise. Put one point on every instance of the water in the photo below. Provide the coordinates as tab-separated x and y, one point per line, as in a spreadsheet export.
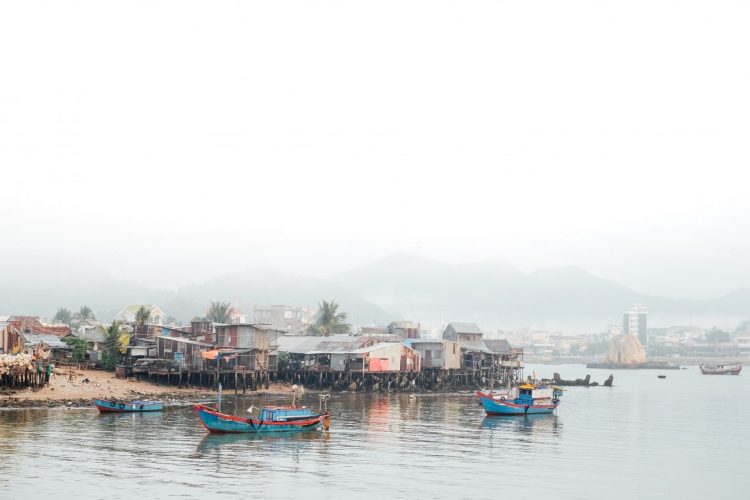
683	437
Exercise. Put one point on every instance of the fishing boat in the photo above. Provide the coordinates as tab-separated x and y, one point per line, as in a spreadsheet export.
531	400
105	406
270	419
721	369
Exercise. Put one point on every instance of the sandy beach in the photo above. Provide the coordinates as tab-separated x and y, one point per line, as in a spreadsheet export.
73	387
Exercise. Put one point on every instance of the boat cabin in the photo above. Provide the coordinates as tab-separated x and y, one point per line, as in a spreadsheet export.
285	414
531	394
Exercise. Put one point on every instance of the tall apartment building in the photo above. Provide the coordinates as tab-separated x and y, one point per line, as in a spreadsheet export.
634	323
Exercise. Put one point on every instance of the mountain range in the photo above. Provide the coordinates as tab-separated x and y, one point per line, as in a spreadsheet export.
493	294
497	295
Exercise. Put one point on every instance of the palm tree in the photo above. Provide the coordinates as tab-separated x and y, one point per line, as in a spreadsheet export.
329	320
64	316
84	314
142	316
218	312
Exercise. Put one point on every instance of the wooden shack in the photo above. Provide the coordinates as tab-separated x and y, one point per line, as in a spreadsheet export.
438	353
184	352
384	357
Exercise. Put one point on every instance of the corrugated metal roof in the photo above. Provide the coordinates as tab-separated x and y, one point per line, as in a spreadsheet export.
183	340
466	328
257	326
319	345
90	335
34	339
474	345
497	346
375	347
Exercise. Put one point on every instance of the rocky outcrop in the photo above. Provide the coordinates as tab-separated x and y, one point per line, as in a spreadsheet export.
626	350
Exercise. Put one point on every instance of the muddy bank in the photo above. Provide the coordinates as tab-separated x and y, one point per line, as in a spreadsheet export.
170	399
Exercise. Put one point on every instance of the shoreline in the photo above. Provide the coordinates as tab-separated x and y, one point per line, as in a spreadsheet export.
74	388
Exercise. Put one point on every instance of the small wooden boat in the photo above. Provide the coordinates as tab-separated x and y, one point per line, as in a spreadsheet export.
105	406
721	369
270	419
531	400
662	376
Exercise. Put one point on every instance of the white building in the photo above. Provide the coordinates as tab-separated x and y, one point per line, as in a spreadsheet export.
127	314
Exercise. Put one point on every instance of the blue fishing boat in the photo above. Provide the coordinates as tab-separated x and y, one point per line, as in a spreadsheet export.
270	419
105	406
291	418
531	400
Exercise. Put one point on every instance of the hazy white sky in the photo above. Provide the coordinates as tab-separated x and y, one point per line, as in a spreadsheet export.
169	141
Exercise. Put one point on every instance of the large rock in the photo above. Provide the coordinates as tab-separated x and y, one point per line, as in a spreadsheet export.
626	350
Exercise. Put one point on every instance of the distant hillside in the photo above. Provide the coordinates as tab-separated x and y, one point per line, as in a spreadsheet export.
493	294
39	285
496	295
265	287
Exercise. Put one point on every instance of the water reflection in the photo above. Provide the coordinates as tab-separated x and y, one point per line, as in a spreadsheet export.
270	442
543	424
380	445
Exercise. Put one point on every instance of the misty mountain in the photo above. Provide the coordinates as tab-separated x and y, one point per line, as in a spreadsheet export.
40	285
493	294
497	295
264	287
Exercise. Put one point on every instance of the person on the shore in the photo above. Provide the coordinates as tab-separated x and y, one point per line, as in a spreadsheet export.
50	367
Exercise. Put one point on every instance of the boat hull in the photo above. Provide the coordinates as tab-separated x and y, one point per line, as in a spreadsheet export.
510	408
727	371
132	407
222	423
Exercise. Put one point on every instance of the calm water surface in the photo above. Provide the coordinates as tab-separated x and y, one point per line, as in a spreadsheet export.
683	437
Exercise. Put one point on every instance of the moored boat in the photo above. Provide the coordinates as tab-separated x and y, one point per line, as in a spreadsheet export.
721	369
531	400
105	406
270	419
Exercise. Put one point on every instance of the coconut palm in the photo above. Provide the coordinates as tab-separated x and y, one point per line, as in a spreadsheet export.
64	316
218	312
83	315
329	320
142	316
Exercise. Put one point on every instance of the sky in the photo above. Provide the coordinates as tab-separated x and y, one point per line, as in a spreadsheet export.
171	141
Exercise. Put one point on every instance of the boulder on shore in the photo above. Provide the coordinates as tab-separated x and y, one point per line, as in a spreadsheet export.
626	350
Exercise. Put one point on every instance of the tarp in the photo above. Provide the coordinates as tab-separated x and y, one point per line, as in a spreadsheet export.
223	353
379	365
210	354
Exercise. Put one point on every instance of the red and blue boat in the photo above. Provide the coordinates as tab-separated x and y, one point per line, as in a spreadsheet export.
531	400
105	406
270	419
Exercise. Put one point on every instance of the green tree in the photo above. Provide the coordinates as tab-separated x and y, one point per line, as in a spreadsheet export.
63	316
329	321
218	312
78	347
83	315
142	315
111	352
